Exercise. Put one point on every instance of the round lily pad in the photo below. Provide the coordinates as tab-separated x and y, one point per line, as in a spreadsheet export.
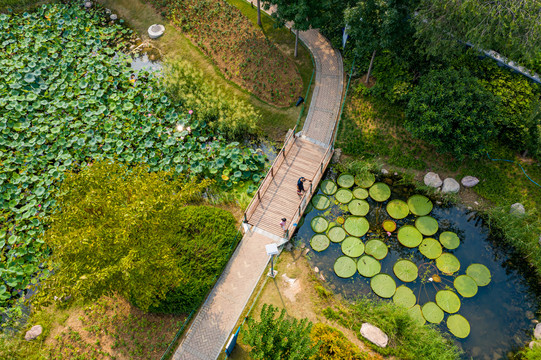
448	263
432	312
368	266
336	234
365	180
383	285
409	236
417	315
345	180
321	202
358	207
389	225
406	270
397	209
345	267
449	239
319	242
480	273
458	326
427	225
430	248
448	301
356	226
360	193
404	296
344	196
376	248
420	205
328	187
380	192
319	224
352	247
465	285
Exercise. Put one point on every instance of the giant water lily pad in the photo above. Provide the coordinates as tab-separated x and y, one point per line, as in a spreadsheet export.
336	234
448	263
406	270
420	205
427	225
321	202
343	195
432	312
458	326
404	296
409	236
345	267
380	192
319	242
480	273
397	209
358	207
360	193
383	285
319	224
430	248
449	239
448	301
377	248
328	187
352	247
345	180
356	226
368	266
417	315
465	285
365	180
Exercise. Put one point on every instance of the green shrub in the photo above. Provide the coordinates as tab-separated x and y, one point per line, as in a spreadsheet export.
531	354
333	345
453	111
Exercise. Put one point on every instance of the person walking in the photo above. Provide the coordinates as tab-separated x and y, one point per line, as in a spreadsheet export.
300	185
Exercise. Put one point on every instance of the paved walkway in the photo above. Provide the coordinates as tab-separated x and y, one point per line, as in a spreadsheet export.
306	156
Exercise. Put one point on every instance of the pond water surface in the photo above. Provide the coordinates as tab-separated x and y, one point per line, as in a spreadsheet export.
501	314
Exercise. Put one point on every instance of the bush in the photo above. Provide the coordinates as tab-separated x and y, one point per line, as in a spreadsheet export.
453	111
531	354
333	345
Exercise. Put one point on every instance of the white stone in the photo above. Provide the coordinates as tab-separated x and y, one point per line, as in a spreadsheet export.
316	269
374	335
537	331
432	179
469	181
384	171
533	343
33	333
321	277
517	208
88	5
113	17
450	185
155	31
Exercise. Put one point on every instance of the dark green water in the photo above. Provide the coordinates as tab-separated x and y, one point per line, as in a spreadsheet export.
500	314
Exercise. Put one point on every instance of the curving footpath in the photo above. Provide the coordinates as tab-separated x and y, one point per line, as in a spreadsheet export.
215	321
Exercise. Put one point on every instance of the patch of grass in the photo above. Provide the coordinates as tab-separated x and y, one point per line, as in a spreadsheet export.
323	292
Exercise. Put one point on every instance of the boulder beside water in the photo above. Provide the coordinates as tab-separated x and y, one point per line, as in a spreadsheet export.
469	181
450	185
517	208
374	335
432	179
537	331
33	333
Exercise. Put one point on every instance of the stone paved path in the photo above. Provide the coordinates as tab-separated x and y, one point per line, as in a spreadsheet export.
215	321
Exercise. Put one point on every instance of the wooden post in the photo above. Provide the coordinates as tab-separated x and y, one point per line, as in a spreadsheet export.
245	218
258	196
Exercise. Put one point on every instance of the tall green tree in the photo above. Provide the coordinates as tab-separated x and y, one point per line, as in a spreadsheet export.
113	233
376	25
511	27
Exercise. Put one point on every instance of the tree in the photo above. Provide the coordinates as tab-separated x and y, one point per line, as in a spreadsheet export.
113	233
451	110
279	338
376	25
511	27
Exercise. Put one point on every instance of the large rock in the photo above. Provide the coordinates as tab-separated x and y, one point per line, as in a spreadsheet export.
450	185
432	179
33	333
469	181
374	335
517	208
537	331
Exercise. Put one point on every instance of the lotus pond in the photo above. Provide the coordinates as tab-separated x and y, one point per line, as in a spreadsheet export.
375	238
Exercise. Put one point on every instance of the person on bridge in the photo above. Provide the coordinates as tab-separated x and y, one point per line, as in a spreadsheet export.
300	185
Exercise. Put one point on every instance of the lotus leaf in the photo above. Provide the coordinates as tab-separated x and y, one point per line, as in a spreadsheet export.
319	224
389	225
426	225
430	248
417	315
352	247
321	202
336	234
383	285
356	226
358	207
479	273
345	181
432	312
360	193
405	270
397	209
343	195
458	326
380	192
409	236
377	248
448	301
420	205
449	239
328	187
465	285
404	296
319	242
345	267
365	179
368	266
448	263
